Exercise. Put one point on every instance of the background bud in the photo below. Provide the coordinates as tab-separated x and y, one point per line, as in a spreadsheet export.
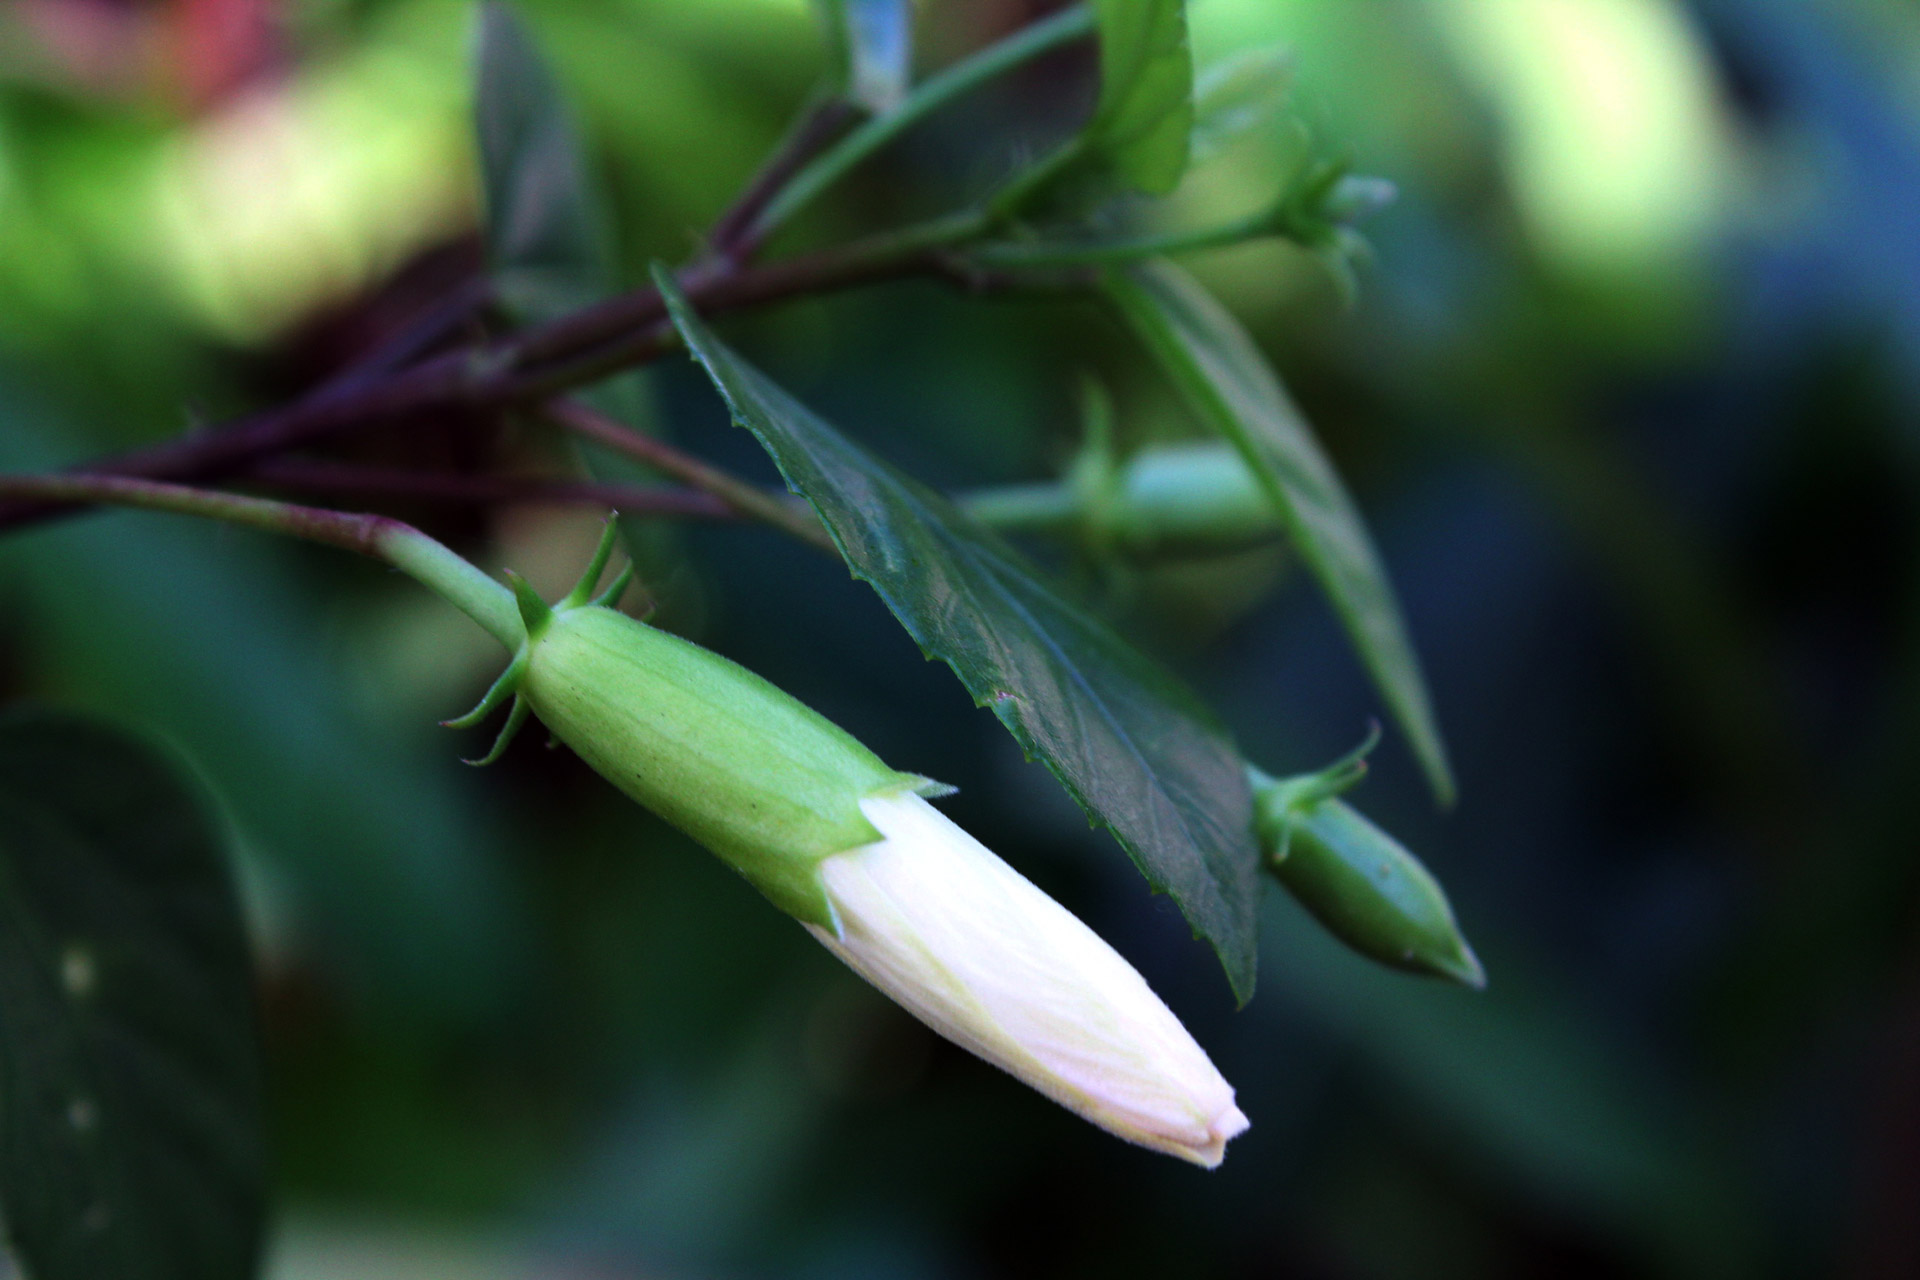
1363	885
1190	498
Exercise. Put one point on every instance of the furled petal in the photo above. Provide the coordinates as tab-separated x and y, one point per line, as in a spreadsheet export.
933	918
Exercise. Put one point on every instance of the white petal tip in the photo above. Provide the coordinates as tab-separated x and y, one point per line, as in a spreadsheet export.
1226	1126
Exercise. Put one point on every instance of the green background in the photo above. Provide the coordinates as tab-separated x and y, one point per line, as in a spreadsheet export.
1629	399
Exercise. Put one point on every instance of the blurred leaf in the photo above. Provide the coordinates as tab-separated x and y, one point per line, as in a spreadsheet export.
391	864
1517	1082
1145	111
1238	95
1134	747
686	1172
1223	375
130	1079
872	47
543	236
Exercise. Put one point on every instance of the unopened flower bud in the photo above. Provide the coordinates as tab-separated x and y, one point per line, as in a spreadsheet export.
1358	881
852	849
1190	498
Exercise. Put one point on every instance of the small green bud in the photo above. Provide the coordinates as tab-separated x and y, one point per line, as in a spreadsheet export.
1358	881
752	773
1194	497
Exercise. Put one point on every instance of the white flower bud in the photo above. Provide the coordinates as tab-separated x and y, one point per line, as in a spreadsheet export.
969	946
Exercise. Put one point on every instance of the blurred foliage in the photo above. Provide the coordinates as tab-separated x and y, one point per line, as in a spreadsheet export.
1629	395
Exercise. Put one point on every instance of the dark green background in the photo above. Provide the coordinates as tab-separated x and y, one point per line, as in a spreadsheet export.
1647	491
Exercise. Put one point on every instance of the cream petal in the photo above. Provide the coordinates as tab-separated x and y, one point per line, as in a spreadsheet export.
972	948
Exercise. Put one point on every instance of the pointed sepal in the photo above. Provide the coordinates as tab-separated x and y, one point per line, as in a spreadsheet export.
582	591
610	598
1307	789
496	695
516	719
534	612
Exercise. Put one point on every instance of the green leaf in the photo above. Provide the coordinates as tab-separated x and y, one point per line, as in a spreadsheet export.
1229	384
130	1078
543	235
1144	115
1238	95
872	49
1134	747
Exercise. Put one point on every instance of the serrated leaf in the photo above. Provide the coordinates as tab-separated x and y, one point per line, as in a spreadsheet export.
1237	95
1133	746
130	1079
544	239
1223	376
1144	115
872	50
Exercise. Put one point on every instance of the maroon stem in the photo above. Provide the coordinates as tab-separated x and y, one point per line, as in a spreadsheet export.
574	350
366	534
733	236
439	487
433	327
749	500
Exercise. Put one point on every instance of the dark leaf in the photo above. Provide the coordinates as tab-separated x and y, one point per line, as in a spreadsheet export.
544	238
130	1117
1133	746
543	235
1229	384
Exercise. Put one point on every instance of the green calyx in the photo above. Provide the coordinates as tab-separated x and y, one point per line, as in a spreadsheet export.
760	779
1278	801
536	615
1364	886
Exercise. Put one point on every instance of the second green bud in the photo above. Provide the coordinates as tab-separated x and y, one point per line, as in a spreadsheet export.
1364	886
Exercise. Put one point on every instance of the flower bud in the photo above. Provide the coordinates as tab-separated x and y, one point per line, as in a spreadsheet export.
969	946
852	849
1190	498
1358	881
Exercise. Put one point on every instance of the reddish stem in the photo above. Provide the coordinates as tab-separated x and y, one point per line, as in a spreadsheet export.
424	486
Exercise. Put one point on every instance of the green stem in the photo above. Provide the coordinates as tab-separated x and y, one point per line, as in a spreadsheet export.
454	579
1044	253
404	547
935	92
1023	507
1011	198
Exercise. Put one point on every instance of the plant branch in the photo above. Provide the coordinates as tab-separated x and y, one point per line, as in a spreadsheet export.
401	545
417	339
935	92
1017	254
735	236
438	487
582	347
574	350
747	499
